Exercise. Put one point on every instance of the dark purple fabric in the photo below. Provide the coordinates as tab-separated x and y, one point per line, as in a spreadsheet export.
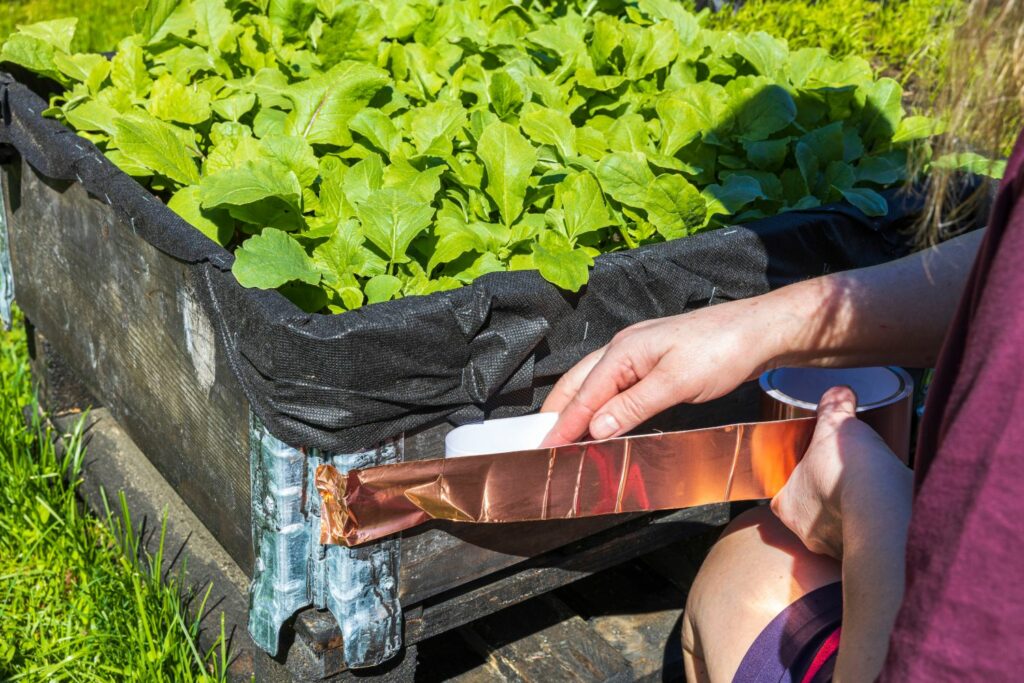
785	649
963	615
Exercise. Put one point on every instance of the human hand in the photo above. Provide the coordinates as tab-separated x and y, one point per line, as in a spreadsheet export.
653	365
848	470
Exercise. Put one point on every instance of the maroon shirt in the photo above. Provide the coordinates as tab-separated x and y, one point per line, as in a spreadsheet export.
963	615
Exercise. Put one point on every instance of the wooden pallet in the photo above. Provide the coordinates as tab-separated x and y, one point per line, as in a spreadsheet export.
603	621
623	624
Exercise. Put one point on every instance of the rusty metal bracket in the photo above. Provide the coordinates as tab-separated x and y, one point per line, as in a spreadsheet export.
6	272
292	570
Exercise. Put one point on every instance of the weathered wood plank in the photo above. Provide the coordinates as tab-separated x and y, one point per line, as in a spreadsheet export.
630	607
560	567
536	576
638	613
542	640
57	386
122	316
447	555
303	665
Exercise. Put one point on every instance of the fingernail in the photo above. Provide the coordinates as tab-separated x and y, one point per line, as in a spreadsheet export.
850	389
604	427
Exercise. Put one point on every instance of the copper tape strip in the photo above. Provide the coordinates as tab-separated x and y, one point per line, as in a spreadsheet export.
630	474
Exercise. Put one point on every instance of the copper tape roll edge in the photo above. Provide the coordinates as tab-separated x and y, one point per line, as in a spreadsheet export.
663	471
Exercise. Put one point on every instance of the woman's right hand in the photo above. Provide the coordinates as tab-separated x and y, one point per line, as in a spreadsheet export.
653	365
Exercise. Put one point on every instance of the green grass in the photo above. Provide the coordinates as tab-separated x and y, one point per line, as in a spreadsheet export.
902	38
79	599
905	39
101	23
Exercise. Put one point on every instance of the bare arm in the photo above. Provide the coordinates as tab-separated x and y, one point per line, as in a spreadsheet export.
895	313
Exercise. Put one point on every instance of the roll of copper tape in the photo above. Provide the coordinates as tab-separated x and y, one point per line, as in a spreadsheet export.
626	474
884	398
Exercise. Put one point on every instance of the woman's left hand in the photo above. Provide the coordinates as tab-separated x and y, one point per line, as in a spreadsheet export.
846	466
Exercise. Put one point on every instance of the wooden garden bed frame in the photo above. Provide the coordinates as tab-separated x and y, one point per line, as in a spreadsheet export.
116	323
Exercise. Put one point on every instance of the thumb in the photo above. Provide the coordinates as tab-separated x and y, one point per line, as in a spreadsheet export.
837	403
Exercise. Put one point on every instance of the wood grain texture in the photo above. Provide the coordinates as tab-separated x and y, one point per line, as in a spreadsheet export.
121	316
560	567
531	578
638	613
57	385
543	640
629	607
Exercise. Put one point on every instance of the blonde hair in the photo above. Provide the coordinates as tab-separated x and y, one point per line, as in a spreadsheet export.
981	100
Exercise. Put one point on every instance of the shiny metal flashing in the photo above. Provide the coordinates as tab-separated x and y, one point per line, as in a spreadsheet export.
358	585
6	272
629	474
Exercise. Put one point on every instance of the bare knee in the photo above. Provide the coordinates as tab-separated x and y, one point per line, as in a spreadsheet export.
756	548
757	568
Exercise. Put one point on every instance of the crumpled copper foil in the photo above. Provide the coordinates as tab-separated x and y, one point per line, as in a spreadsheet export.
628	474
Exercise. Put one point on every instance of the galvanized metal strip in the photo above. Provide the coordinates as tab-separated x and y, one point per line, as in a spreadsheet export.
362	583
6	272
281	538
292	570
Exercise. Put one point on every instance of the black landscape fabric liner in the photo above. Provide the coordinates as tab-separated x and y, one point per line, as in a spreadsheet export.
344	382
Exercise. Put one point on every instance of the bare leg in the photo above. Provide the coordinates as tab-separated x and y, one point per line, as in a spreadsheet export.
756	570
